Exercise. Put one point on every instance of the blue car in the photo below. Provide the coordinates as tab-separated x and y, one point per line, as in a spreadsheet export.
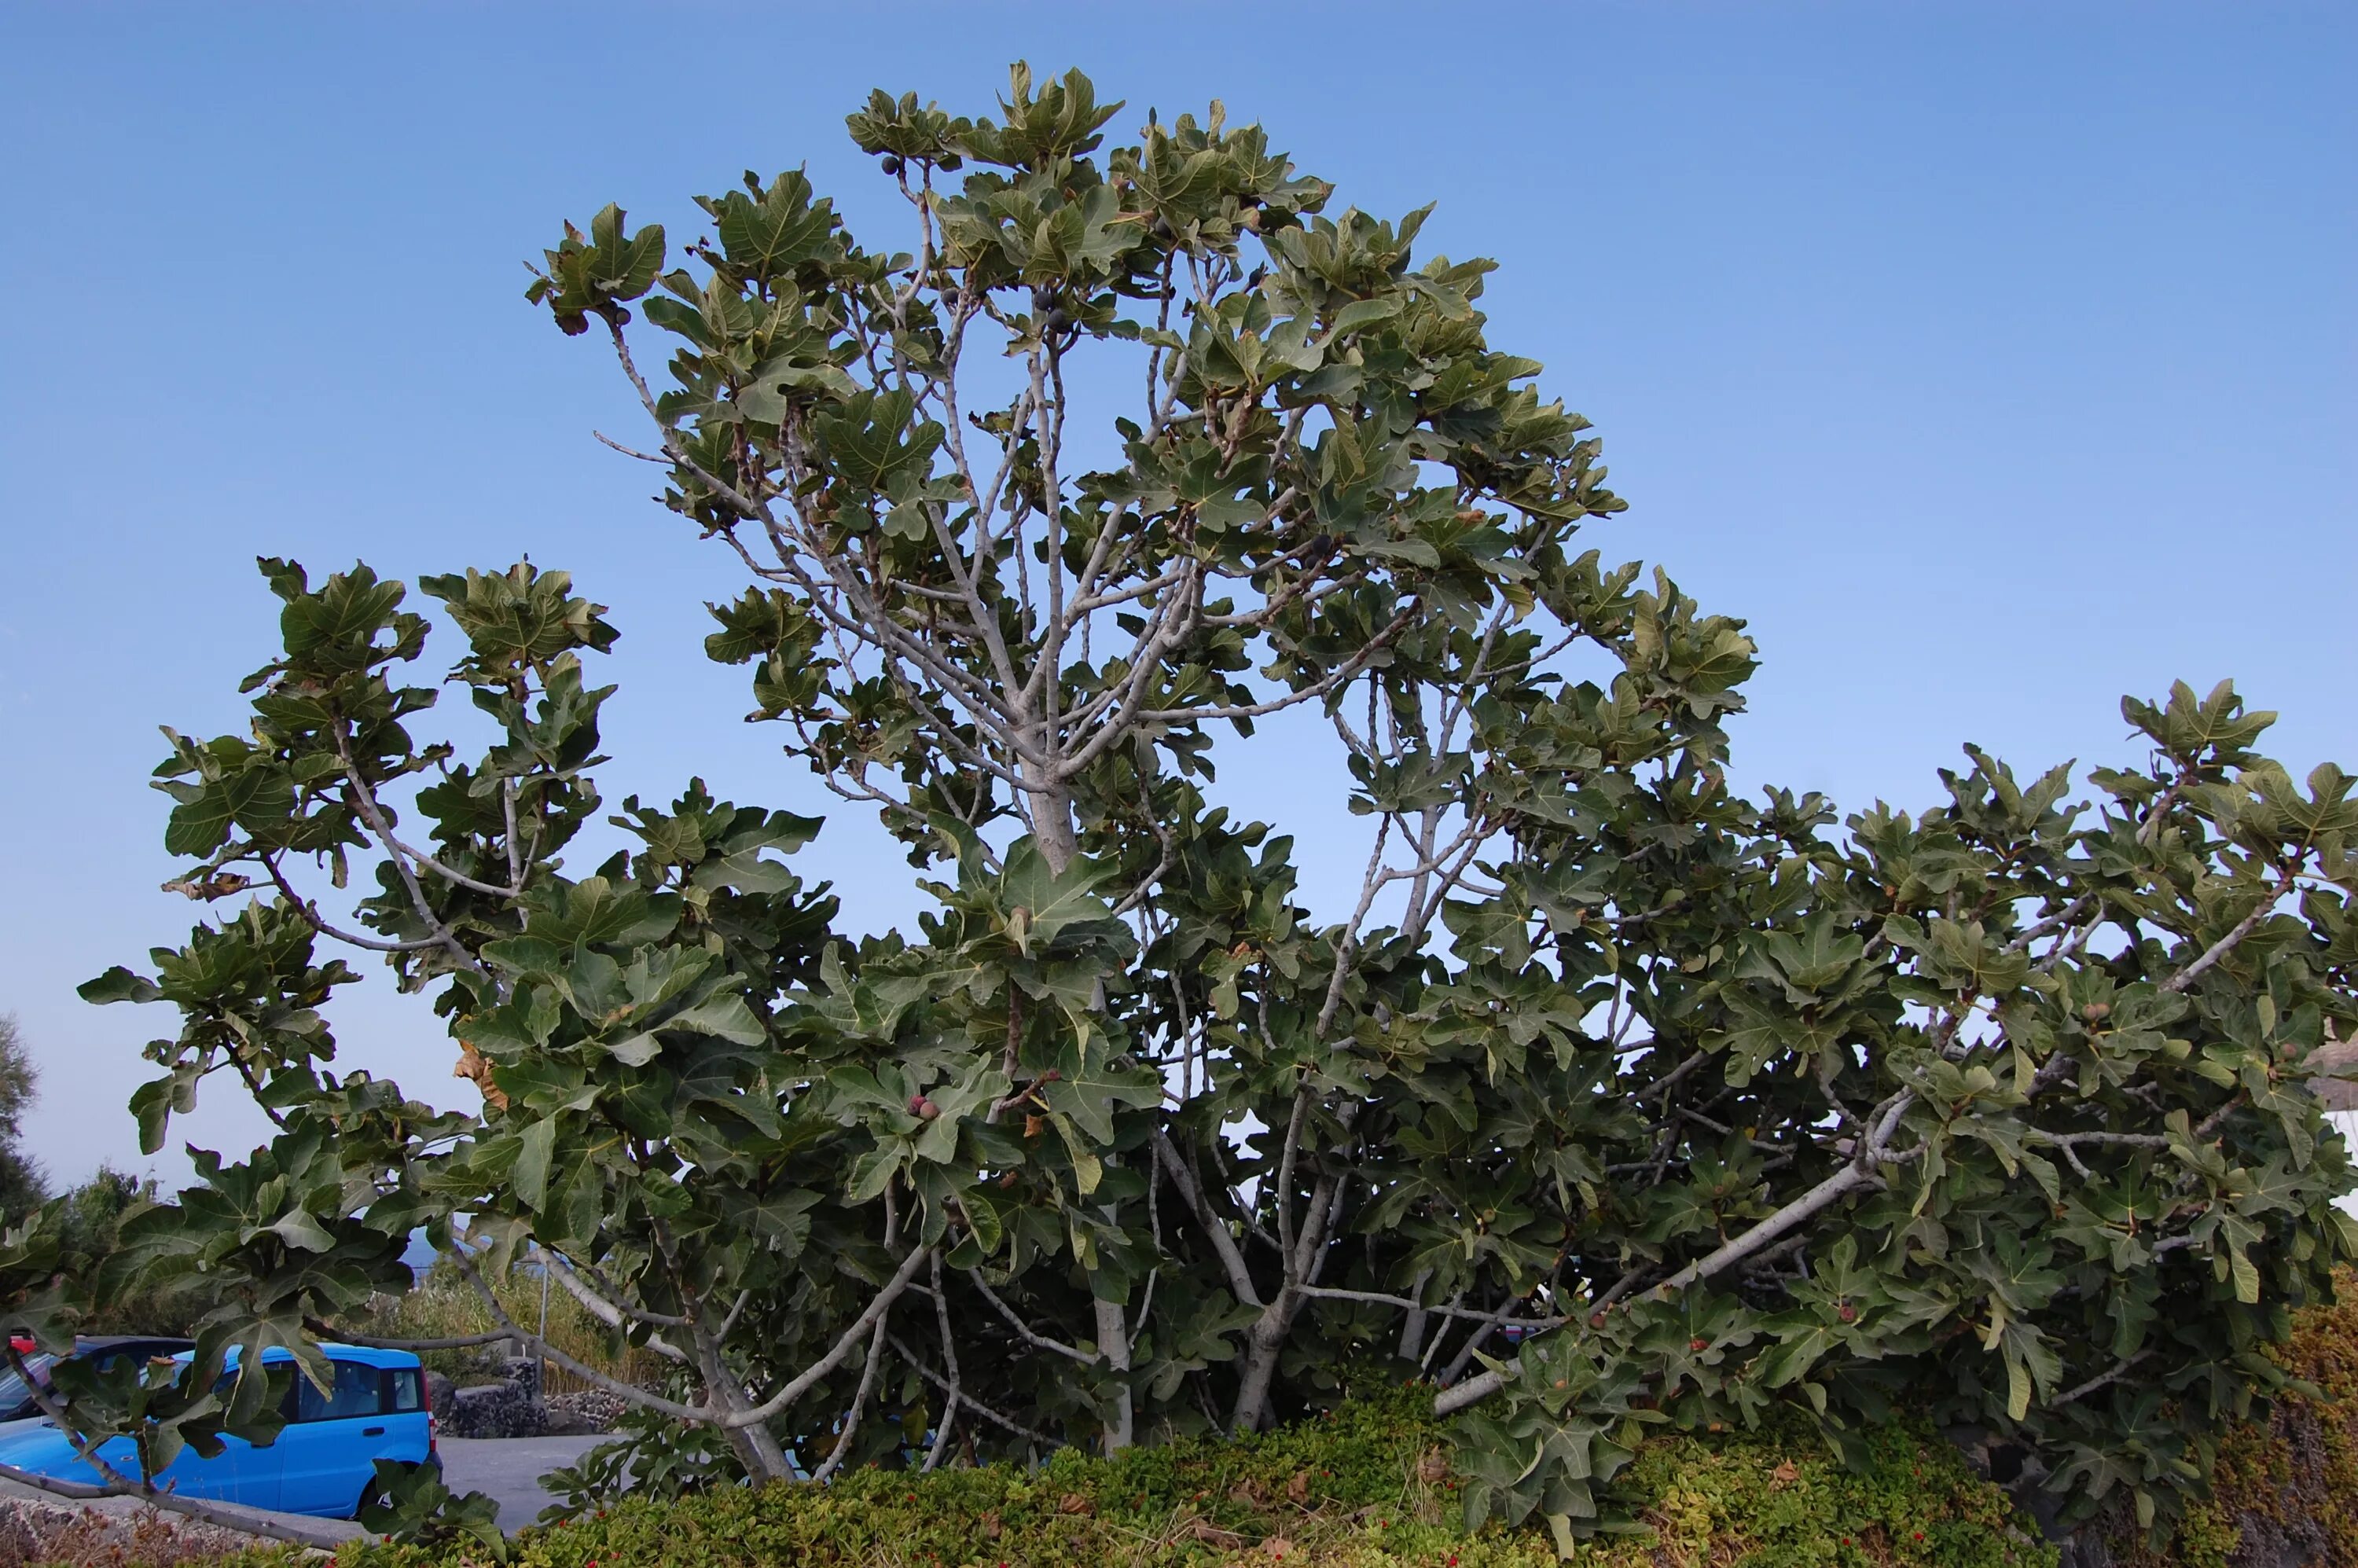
17	1400
324	1461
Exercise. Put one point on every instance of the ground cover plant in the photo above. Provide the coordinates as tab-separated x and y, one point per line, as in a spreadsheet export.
1617	1103
1366	1486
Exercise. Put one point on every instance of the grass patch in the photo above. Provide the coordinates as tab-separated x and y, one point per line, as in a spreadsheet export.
445	1306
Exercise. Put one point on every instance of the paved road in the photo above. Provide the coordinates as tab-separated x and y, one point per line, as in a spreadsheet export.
510	1469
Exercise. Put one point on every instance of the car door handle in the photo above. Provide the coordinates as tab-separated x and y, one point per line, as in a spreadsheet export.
371	1431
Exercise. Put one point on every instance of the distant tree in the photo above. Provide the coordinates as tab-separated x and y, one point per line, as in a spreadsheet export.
90	1232
22	1190
89	1218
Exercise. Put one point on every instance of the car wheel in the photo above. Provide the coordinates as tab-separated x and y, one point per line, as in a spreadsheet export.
373	1494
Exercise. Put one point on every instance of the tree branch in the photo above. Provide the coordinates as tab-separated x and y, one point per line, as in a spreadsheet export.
858	1405
2227	944
1223	1244
1858	1173
950	1359
611	1313
1024	1332
2100	1380
1381	1298
918	1363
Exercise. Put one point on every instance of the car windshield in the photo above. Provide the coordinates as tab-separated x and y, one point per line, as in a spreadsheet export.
13	1392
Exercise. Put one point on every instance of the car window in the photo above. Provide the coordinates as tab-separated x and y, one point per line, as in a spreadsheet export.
13	1392
226	1386
404	1389
358	1390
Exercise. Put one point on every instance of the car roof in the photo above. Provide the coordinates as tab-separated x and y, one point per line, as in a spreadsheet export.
108	1340
365	1355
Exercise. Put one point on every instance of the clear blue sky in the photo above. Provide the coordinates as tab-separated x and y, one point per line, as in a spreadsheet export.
1994	359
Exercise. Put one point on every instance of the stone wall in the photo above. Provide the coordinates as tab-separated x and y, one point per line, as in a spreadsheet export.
508	1408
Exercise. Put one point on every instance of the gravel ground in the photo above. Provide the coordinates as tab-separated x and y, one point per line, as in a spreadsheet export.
111	1532
39	1526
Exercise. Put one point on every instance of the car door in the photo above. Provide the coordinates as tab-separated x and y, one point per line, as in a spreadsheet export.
333	1444
240	1472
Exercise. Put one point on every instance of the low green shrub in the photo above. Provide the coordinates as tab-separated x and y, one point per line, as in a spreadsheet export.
1365	1487
1779	1499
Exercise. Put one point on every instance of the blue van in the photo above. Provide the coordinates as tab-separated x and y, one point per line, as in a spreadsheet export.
324	1461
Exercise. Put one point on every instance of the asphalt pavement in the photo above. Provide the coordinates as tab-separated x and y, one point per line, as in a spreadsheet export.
510	1469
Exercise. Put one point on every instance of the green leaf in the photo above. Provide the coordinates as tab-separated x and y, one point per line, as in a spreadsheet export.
636	1050
772	231
1089	1088
784	1217
623	267
725	1017
1088	1170
300	1230
252	797
118	984
539	1148
982	1211
1793	1358
2247	1276
873	1170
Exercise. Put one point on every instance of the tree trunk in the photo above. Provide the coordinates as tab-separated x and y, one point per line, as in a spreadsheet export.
1412	1345
1113	1346
1264	1343
756	1447
1052	829
1052	824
